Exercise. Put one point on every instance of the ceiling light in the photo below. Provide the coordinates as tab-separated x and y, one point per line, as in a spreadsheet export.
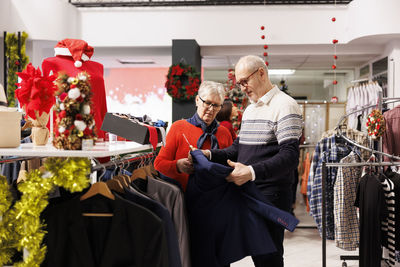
136	61
281	71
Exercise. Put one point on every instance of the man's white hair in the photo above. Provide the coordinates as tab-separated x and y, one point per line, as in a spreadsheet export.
252	63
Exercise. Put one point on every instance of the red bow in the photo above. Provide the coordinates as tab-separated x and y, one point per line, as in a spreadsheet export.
35	92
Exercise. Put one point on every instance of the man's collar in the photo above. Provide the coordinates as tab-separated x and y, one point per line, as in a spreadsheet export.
265	99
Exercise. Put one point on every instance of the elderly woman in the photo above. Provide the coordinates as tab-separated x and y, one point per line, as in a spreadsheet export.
202	131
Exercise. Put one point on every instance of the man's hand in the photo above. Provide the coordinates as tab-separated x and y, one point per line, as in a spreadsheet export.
205	152
240	175
184	165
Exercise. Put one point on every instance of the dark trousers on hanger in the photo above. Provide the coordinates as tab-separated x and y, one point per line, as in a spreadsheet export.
281	199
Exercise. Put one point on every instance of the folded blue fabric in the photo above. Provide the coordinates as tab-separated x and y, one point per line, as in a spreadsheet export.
228	222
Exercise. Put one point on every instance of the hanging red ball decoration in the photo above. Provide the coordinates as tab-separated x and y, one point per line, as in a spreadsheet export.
262	28
265	46
334	82
333	19
333	66
266	63
335	41
265	54
335	56
262	36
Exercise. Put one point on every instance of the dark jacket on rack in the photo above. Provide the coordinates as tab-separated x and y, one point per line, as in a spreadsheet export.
228	222
133	236
161	212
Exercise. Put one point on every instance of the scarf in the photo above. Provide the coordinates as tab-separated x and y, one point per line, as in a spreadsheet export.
207	131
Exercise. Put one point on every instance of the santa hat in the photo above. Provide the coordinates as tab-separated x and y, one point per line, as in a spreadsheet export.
78	49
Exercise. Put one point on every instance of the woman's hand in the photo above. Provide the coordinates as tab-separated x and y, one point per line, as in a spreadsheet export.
185	166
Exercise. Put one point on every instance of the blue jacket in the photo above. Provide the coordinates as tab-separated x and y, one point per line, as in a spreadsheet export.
228	222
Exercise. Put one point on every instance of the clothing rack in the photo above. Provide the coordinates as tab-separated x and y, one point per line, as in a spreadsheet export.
379	163
127	159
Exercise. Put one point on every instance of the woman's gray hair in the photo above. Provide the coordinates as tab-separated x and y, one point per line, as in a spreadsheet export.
212	88
252	63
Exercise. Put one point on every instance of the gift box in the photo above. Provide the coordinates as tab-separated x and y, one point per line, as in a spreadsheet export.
10	121
129	129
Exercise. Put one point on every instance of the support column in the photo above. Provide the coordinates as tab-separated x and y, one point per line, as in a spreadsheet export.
188	52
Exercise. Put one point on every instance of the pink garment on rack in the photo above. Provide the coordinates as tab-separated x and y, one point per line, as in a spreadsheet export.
391	137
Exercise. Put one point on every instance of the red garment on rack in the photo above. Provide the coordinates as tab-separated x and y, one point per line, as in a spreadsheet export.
391	136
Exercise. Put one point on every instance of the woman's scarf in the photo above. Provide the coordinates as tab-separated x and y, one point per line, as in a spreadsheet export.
207	131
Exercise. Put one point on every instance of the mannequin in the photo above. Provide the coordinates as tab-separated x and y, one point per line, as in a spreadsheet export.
73	56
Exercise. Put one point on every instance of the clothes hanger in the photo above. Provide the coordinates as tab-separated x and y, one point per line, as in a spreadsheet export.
139	172
115	185
99	188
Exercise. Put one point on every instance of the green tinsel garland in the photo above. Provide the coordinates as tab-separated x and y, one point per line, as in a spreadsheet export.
21	226
13	62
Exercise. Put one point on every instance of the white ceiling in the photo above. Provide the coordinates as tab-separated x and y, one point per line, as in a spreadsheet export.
299	57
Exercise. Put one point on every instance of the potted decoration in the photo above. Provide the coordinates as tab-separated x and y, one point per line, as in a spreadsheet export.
36	96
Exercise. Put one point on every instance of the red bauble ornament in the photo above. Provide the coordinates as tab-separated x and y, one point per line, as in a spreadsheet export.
334	82
335	41
265	46
335	56
265	54
333	19
262	28
262	36
333	66
266	63
17	63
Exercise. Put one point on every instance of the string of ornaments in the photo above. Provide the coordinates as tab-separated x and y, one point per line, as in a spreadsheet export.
265	54
334	65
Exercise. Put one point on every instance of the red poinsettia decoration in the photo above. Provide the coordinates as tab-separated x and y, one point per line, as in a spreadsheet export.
35	92
183	82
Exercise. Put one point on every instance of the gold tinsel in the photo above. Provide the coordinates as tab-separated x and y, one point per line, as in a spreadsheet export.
7	239
21	226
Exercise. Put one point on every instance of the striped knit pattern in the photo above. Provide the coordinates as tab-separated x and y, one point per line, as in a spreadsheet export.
275	118
388	226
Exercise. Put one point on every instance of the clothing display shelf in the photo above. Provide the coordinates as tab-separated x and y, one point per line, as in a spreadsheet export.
325	167
99	150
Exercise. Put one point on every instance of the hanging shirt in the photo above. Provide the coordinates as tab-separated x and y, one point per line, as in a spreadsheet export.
391	136
227	222
371	202
347	234
334	154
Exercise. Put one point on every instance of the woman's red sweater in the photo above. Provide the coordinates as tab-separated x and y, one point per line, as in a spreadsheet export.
176	147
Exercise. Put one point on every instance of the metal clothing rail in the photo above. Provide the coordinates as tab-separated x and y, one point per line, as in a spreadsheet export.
324	175
127	159
325	165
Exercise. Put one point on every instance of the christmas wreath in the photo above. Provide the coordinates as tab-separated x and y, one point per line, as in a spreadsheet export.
74	114
182	82
375	124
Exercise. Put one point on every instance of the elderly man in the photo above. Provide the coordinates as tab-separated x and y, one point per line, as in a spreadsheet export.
267	149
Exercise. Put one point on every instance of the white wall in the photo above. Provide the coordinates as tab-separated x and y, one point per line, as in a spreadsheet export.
209	25
41	19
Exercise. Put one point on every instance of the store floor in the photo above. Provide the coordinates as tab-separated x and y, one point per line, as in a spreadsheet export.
303	247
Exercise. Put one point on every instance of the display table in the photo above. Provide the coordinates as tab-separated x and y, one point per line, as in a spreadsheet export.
104	149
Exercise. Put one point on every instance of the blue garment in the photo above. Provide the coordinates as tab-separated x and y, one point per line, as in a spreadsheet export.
228	222
331	152
174	259
207	131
